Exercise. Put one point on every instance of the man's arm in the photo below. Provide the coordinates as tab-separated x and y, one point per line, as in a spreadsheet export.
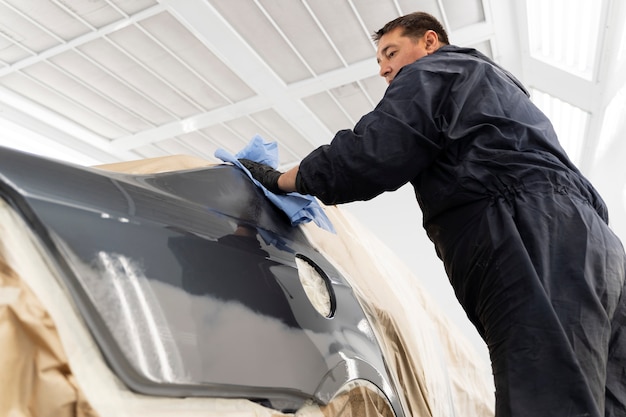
287	180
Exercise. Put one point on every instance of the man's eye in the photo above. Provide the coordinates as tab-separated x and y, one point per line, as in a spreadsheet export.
391	54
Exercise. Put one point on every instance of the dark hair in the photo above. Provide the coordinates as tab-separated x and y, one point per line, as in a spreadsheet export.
414	26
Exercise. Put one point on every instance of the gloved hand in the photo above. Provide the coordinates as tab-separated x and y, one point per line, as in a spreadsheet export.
265	174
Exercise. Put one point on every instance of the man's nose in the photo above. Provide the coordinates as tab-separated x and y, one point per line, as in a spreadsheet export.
384	70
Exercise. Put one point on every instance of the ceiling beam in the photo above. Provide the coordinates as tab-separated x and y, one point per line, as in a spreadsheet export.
472	34
81	40
43	121
610	76
202	19
283	104
508	32
559	83
50	125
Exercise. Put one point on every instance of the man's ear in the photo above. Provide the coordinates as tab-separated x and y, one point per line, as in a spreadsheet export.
432	41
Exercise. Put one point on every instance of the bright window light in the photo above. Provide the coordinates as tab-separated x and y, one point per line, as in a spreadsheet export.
621	50
612	125
564	33
17	137
570	122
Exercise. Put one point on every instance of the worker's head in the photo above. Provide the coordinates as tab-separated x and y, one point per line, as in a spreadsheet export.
406	39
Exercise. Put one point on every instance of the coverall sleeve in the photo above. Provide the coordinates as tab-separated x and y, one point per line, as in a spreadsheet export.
386	149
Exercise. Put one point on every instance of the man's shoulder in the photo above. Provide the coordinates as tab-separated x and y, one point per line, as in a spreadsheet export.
449	59
463	54
452	59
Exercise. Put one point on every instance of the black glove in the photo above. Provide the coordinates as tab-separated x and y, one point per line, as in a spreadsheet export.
265	174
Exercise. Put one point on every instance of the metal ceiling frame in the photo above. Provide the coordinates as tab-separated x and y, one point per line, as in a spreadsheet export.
203	20
592	96
206	23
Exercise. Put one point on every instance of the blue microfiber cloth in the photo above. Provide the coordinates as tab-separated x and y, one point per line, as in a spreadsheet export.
299	208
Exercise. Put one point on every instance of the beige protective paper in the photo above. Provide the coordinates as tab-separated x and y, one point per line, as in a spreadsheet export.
51	366
156	165
35	377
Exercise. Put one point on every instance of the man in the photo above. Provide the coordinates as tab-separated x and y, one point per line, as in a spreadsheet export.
522	234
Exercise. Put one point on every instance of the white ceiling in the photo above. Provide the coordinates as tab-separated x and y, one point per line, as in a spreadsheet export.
117	80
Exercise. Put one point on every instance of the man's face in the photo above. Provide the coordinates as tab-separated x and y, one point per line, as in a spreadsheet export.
395	51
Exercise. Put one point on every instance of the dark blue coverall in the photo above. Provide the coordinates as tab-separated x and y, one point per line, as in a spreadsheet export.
522	234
